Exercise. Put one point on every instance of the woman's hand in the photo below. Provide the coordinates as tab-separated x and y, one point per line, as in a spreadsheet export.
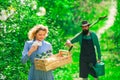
32	49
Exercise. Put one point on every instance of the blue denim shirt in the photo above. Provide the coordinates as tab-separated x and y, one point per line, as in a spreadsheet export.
36	74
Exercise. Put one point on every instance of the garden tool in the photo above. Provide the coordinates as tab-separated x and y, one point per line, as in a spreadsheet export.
70	48
99	19
99	68
85	79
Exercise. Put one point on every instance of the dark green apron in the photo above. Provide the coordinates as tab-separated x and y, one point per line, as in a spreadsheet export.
87	57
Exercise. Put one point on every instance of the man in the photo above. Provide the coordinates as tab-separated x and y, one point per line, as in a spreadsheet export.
87	41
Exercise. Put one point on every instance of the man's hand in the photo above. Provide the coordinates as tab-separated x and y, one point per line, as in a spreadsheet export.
98	60
68	43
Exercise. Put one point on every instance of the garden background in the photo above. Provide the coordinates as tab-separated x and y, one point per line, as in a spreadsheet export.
63	18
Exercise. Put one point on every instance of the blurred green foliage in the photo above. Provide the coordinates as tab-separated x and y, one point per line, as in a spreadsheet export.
63	18
112	36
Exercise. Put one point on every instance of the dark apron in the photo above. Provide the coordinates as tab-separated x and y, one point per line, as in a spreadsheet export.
87	57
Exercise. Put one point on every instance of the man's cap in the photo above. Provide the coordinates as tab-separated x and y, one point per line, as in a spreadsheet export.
85	23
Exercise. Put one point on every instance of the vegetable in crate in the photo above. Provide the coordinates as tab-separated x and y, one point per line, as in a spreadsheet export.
44	55
39	56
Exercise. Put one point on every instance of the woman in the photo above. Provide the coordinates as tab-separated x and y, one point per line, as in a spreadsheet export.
36	45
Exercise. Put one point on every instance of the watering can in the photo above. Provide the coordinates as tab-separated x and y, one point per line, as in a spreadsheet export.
99	69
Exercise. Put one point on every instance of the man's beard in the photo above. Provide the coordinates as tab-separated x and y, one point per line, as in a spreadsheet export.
85	32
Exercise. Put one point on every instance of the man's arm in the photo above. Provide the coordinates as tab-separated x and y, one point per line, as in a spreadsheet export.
76	38
73	40
98	47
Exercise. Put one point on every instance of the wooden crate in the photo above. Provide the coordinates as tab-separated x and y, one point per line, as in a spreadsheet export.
53	62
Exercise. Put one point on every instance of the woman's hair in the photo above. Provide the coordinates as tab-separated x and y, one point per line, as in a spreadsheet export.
36	29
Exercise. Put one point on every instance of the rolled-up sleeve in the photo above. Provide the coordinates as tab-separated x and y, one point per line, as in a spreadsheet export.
25	56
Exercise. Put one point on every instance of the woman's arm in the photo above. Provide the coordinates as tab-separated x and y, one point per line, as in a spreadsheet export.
25	53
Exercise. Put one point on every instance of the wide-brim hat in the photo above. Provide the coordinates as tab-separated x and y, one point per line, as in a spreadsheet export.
85	23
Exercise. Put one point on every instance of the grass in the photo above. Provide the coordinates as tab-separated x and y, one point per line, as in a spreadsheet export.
112	66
